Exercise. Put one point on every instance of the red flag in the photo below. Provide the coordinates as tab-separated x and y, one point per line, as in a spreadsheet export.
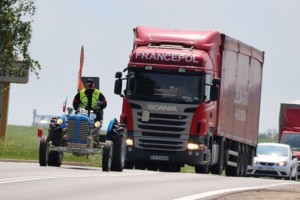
80	85
40	132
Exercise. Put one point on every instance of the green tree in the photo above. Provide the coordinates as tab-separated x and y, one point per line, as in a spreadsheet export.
15	34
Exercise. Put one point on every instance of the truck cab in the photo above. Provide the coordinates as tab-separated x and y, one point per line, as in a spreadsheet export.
186	98
290	128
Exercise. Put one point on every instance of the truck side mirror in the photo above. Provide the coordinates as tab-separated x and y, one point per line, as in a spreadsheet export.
214	91
216	81
118	75
118	86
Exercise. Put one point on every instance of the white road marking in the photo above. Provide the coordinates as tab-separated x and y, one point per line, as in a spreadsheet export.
32	178
216	192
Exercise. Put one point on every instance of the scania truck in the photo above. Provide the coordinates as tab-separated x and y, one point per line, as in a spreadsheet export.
289	127
190	98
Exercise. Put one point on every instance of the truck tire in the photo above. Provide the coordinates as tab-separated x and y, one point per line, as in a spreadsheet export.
107	155
152	166
243	161
43	152
219	166
204	169
129	164
139	164
231	170
119	151
247	159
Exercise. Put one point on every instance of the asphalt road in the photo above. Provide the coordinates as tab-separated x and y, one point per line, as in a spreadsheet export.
30	181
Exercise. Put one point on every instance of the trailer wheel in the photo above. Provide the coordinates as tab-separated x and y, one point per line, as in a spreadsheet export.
43	152
219	166
244	161
119	151
107	155
247	159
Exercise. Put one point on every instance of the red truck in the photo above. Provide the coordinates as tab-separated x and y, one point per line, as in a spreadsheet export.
289	127
191	98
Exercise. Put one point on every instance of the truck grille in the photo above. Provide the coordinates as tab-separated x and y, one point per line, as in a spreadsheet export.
163	132
78	131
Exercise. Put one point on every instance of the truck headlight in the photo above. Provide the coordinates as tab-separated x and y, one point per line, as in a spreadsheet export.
129	142
192	146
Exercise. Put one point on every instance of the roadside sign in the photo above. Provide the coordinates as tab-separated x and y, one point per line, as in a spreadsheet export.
15	74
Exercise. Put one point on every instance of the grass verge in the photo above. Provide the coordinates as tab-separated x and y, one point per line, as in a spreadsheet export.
22	143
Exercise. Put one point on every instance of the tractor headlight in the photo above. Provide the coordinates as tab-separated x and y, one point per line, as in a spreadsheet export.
97	124
59	121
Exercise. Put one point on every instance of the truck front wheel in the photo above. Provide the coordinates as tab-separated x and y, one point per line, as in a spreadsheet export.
204	169
219	166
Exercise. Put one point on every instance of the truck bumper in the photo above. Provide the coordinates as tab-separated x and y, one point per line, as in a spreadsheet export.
189	157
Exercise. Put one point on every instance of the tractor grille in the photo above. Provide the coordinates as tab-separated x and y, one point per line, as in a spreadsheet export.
78	131
164	132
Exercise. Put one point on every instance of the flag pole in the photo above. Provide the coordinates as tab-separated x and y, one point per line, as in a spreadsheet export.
80	84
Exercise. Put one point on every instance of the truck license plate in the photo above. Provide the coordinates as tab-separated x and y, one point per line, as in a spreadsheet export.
156	157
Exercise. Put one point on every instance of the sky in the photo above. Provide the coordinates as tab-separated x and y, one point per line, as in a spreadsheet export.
105	29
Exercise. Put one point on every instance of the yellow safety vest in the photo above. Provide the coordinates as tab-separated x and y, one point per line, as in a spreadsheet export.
84	99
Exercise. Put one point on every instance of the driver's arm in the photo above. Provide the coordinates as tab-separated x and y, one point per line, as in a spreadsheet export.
76	101
103	101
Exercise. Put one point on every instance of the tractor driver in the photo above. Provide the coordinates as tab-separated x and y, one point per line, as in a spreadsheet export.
90	98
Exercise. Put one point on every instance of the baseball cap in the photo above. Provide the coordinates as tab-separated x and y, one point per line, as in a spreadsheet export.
89	81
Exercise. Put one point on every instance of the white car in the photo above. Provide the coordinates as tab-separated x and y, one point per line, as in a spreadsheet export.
274	160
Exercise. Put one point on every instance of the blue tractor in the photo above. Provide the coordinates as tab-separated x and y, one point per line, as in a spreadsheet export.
78	133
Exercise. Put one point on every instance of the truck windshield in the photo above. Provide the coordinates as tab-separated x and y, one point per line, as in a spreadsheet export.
163	87
293	140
